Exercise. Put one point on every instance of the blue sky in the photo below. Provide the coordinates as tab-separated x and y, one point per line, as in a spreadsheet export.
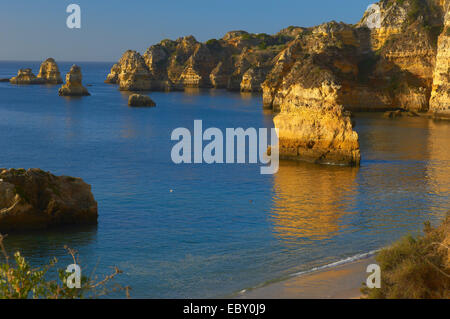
35	30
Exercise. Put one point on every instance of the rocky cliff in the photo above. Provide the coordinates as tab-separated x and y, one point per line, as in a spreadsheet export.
49	72
26	76
239	60
37	199
440	95
73	86
314	76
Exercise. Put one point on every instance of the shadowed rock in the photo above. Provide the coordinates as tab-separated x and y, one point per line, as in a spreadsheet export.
140	100
31	199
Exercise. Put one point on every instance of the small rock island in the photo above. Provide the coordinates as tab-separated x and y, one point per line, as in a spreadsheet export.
73	86
33	199
26	76
140	100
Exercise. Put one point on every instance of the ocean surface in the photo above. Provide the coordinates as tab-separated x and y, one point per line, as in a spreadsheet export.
203	230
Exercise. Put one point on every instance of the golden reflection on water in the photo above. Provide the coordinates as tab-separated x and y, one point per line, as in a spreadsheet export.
307	201
438	171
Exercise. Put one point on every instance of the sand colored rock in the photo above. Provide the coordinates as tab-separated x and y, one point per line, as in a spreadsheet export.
140	100
73	86
33	198
49	72
319	132
440	96
26	76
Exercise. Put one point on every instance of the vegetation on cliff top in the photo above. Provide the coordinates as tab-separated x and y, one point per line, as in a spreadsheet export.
415	267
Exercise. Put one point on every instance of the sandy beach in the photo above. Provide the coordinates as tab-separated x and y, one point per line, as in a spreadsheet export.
340	282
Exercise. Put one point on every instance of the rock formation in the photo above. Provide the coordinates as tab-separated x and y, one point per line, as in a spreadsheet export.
36	199
26	76
130	73
140	100
440	95
402	63
49	72
186	63
73	86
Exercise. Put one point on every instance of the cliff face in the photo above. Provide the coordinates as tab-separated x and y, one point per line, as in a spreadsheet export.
398	64
185	63
311	75
73	86
49	72
440	96
25	76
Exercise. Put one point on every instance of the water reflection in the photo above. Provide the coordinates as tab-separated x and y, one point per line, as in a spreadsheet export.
45	244
309	200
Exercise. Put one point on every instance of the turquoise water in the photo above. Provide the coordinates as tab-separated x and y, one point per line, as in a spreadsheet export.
223	228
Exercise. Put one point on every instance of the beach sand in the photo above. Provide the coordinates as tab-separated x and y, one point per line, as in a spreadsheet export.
340	282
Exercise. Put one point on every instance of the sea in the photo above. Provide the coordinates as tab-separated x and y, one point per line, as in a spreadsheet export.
212	230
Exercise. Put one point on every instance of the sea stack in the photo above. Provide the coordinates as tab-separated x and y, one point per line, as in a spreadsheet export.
73	86
140	100
49	72
313	128
26	76
31	199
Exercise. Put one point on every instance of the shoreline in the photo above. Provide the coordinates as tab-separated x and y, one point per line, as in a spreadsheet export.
340	280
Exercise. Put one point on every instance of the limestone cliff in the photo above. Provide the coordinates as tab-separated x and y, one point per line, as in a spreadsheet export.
186	63
49	72
73	86
440	95
37	199
25	76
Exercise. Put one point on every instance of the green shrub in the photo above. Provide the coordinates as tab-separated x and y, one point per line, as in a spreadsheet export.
18	280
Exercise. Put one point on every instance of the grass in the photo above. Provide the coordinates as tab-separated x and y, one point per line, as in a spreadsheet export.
415	268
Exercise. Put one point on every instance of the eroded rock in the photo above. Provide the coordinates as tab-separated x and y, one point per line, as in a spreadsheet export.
73	86
32	198
49	72
26	76
140	100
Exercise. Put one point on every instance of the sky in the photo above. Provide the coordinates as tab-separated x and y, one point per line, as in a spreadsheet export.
35	30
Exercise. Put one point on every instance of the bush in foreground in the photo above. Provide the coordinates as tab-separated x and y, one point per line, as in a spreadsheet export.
18	280
415	268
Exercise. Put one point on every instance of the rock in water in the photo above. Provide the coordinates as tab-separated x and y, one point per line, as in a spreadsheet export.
140	100
314	127
26	76
49	72
31	199
73	86
130	73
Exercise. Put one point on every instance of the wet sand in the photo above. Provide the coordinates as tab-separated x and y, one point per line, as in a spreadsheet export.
340	282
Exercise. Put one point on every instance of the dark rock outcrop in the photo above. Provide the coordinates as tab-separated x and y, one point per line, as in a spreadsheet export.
31	199
140	100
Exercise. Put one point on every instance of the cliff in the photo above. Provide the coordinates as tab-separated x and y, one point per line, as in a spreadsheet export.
37	199
440	95
313	76
49	72
239	60
73	86
25	76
